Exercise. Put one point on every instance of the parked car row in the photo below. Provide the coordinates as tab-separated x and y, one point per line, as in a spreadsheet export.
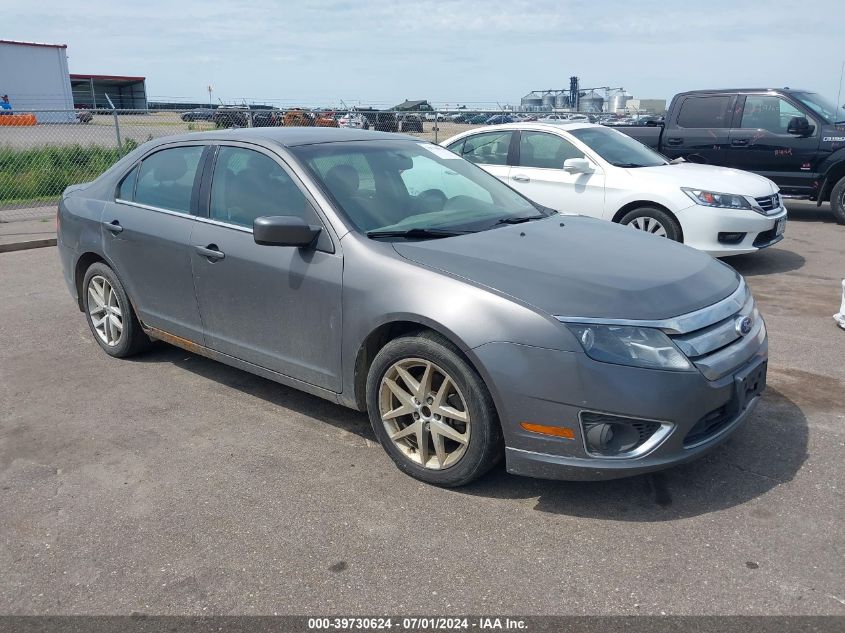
251	116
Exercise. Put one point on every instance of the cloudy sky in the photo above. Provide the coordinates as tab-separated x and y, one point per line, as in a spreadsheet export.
447	51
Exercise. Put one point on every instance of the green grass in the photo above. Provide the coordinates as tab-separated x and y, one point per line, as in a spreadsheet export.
42	173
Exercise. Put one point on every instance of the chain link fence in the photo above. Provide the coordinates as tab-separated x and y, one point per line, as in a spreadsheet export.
42	152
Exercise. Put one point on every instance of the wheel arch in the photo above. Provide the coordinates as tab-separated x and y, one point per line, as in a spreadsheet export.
630	206
388	331
83	263
834	174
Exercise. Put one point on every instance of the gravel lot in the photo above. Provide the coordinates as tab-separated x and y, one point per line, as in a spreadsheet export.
173	484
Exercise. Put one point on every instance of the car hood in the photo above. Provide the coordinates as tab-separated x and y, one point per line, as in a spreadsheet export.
709	178
581	267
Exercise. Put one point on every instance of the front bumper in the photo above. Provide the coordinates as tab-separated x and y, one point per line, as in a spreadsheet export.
702	227
552	388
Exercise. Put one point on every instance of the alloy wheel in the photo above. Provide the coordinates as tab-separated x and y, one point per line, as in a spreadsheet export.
424	413
105	311
649	225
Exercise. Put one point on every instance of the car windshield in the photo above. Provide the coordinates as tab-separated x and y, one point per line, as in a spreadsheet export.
398	186
830	112
617	148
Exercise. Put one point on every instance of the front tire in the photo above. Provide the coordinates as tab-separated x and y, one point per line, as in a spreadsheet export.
837	201
654	221
110	315
432	412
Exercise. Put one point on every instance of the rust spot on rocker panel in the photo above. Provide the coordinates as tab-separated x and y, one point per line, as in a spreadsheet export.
178	341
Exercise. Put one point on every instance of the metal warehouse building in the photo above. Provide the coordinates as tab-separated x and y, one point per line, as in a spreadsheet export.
127	93
35	76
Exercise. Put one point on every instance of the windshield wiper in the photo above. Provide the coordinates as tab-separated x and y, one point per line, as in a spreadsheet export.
627	165
418	233
519	219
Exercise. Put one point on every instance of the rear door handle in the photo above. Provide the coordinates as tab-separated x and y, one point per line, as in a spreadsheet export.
211	252
739	142
520	178
113	226
674	141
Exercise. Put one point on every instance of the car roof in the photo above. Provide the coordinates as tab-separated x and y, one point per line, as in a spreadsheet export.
537	125
289	136
741	90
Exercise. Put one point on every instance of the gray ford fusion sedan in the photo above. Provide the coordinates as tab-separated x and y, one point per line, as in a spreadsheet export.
389	275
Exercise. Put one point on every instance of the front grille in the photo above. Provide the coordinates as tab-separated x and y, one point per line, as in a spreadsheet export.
769	203
710	425
718	347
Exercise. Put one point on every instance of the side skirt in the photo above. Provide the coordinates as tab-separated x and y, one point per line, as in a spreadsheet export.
269	374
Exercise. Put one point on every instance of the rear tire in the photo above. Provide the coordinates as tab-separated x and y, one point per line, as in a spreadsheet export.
110	315
837	201
451	411
655	221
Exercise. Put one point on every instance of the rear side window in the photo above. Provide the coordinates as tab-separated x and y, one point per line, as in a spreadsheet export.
489	148
546	151
457	147
248	185
126	190
166	178
705	112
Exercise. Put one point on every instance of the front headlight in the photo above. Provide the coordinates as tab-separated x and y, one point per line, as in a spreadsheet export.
715	199
629	345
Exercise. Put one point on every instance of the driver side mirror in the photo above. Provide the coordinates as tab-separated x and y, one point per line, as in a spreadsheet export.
284	230
800	126
577	166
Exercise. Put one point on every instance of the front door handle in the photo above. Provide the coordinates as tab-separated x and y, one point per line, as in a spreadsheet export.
674	141
113	226
739	142
520	178
211	252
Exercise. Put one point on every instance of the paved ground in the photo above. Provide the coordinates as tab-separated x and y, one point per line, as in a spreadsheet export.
172	484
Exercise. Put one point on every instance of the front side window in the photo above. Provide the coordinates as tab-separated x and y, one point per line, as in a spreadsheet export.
247	184
415	185
489	148
705	112
546	151
768	113
166	178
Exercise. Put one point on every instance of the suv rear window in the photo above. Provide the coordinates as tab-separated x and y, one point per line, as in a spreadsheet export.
699	112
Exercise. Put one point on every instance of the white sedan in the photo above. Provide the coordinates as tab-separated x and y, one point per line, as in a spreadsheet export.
595	170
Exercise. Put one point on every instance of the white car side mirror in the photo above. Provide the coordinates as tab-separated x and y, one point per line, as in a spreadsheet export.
577	166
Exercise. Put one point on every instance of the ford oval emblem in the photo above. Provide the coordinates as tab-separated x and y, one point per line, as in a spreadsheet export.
743	325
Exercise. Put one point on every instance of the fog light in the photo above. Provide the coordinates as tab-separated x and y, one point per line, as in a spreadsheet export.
731	238
611	439
607	435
